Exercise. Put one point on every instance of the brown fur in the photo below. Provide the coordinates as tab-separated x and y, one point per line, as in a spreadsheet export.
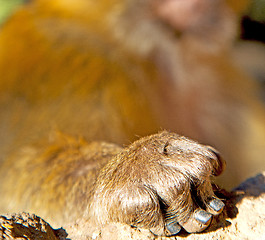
97	69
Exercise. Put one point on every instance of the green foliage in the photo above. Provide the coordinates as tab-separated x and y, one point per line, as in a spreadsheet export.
257	11
7	7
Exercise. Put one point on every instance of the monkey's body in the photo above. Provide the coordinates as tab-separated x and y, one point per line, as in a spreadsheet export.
101	71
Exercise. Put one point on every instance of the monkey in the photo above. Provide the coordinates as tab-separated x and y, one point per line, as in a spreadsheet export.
109	71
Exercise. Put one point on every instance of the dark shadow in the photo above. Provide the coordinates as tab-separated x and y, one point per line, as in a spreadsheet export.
61	234
254	186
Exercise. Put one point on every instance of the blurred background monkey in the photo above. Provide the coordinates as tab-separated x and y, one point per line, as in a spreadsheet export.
113	70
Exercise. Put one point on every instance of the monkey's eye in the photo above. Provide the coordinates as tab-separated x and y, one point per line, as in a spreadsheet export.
165	149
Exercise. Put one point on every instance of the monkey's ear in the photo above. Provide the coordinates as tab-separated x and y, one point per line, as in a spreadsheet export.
218	163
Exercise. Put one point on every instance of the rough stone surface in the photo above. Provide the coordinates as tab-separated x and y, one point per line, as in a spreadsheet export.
28	226
242	218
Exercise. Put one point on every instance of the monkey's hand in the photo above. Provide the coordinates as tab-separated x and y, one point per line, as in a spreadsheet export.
161	182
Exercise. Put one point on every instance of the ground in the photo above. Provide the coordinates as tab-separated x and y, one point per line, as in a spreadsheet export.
243	218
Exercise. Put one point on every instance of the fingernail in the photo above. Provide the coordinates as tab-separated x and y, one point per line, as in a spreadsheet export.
173	228
215	206
197	222
203	217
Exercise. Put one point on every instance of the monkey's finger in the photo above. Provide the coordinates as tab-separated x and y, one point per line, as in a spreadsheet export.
172	228
198	221
215	206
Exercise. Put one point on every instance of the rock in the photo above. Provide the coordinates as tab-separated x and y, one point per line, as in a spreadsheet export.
28	226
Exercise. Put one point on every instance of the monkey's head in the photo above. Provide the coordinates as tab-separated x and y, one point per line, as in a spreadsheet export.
142	25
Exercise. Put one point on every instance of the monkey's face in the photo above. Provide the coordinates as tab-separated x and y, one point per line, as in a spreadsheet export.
183	15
